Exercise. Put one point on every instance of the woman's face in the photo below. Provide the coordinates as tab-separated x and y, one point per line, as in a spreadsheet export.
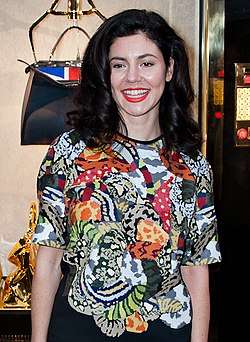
138	75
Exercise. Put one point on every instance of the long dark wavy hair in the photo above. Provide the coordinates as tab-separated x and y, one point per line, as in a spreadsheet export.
98	116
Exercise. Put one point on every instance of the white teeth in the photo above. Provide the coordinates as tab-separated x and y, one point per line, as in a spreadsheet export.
135	92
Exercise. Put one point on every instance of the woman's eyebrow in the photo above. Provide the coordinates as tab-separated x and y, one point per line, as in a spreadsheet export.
119	58
138	57
146	55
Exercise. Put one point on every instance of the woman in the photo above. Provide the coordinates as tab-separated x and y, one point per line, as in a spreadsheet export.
126	198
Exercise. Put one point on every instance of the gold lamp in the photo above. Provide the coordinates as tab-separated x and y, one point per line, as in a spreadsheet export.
17	286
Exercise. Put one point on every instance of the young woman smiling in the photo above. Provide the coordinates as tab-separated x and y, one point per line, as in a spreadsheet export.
127	225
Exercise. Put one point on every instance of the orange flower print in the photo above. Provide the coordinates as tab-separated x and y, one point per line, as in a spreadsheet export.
96	154
144	250
135	323
84	211
148	230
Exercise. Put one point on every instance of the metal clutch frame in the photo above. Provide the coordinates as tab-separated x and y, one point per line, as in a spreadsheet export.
74	12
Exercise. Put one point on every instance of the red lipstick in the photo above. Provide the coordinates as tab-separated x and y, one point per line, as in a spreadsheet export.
135	94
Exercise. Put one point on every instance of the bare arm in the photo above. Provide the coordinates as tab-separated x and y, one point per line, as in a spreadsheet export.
45	283
197	280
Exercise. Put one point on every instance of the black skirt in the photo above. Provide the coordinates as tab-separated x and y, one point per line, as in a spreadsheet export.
67	325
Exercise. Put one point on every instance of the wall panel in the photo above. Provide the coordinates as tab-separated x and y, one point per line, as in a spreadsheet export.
19	164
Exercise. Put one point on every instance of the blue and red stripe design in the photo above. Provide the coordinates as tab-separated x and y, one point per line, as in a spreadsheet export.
60	73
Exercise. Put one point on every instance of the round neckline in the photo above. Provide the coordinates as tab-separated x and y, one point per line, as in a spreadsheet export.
144	142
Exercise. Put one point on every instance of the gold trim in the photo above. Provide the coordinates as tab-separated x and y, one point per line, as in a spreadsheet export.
205	77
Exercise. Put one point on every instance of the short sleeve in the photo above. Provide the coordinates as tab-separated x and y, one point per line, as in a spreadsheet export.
52	222
202	245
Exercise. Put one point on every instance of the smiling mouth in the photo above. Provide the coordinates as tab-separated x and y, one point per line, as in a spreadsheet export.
135	95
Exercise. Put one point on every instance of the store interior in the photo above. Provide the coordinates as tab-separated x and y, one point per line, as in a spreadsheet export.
217	33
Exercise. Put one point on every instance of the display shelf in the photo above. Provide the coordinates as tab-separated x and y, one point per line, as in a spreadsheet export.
15	324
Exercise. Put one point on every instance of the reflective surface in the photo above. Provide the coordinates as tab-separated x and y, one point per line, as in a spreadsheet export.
212	86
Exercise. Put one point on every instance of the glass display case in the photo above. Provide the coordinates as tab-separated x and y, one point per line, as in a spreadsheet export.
242	105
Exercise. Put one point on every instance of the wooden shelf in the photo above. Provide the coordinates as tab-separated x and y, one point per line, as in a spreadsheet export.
15	322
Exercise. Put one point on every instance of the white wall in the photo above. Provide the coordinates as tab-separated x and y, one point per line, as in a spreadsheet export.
19	164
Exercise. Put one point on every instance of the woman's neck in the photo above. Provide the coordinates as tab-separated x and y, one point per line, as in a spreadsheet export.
140	129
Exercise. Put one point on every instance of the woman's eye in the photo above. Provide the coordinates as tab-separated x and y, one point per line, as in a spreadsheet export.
118	66
147	64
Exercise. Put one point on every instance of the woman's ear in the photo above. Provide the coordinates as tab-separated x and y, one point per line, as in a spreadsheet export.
170	70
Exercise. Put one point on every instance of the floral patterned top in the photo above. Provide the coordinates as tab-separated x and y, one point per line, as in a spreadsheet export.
128	216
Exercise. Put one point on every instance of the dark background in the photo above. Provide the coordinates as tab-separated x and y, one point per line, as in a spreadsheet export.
229	284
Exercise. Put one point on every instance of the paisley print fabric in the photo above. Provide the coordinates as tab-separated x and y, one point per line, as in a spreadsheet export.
128	216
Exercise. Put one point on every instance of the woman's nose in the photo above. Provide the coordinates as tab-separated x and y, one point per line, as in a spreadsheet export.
133	74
